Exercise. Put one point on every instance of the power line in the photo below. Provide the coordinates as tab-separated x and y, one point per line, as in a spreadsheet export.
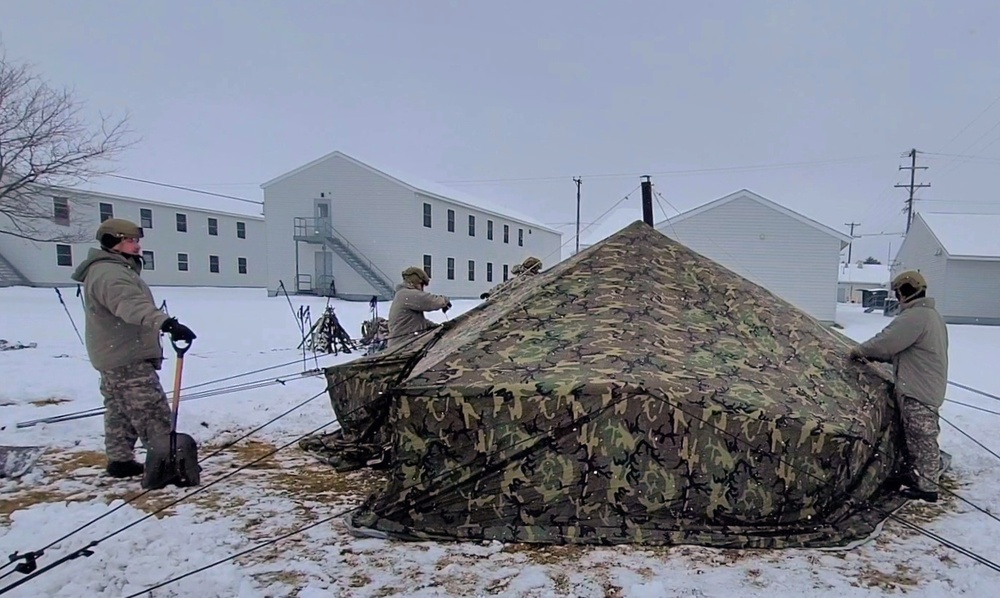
182	188
667	172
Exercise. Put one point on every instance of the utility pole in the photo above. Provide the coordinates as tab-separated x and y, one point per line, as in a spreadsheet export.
578	182
850	245
647	201
912	186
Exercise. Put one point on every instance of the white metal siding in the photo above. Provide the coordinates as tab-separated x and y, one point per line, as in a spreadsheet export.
973	291
920	251
384	219
37	261
789	258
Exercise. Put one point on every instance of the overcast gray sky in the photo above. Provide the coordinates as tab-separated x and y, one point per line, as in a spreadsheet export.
228	94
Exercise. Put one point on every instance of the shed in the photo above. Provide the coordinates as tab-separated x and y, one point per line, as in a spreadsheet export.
792	256
959	254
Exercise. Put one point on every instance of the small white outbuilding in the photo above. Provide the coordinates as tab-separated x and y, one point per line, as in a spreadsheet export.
959	255
779	249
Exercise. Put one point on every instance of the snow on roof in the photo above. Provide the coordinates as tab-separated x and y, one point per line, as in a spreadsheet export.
877	274
436	190
167	196
965	235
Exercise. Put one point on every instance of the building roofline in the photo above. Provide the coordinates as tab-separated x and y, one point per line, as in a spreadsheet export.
155	202
948	253
412	186
746	193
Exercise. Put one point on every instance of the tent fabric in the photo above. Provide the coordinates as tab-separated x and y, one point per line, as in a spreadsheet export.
635	393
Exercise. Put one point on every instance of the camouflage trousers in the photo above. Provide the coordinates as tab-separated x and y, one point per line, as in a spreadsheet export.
920	434
136	406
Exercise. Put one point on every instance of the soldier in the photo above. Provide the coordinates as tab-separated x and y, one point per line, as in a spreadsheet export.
529	267
406	315
123	327
916	343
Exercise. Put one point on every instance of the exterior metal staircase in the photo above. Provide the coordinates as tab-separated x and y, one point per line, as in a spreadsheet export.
10	276
321	232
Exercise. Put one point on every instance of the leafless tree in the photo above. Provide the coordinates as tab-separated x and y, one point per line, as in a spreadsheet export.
44	143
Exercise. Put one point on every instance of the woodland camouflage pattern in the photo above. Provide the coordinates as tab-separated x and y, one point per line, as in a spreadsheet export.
635	393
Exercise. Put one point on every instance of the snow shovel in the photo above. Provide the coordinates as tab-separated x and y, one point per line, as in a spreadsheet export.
173	458
15	461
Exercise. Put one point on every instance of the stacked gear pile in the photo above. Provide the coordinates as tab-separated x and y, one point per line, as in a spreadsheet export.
328	336
635	393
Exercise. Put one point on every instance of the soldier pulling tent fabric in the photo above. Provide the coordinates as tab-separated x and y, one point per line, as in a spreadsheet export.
635	393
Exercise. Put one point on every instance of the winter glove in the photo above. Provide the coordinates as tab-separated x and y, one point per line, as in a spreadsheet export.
178	331
484	296
446	307
856	354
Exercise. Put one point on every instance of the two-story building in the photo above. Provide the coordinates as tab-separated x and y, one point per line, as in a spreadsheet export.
183	245
342	227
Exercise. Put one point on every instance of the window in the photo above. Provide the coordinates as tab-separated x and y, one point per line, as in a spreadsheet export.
451	221
489	271
60	210
472	269
64	255
472	225
182	223
148	260
427	215
146	218
451	268
427	265
505	272
213	227
107	211
182	262
506	234
489	230
520	237
241	264
213	264
241	230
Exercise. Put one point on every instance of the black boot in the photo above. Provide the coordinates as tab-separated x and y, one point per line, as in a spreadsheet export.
124	469
916	494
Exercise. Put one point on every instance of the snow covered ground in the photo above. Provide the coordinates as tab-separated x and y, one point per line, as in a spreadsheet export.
243	330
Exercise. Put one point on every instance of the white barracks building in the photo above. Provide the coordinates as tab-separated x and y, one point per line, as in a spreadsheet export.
339	226
335	226
182	245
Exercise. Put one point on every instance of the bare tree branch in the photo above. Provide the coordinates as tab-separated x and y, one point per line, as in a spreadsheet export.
45	143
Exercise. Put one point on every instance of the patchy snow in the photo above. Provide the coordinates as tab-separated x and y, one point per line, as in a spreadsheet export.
244	330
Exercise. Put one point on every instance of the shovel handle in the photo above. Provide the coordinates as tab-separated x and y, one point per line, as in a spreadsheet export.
179	349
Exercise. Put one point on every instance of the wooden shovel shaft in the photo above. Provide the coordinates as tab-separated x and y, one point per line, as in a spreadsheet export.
177	391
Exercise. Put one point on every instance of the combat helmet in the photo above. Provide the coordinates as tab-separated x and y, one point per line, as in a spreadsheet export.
531	265
415	275
912	279
113	230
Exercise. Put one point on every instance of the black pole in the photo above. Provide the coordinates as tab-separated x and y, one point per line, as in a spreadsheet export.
578	182
647	201
66	309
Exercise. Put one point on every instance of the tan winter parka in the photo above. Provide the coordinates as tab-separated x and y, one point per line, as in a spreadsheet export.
916	343
122	320
406	315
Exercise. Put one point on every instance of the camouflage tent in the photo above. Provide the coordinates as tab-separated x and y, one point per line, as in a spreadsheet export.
635	393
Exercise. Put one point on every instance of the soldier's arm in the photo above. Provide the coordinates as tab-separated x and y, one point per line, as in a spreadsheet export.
421	301
126	300
899	335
